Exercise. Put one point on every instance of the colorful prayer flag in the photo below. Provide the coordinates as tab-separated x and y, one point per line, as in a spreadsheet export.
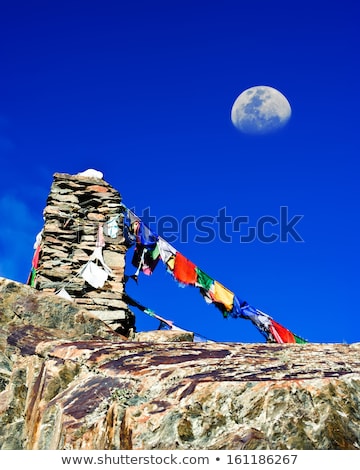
94	275
171	263
184	270
166	250
64	294
100	241
145	236
280	334
203	280
222	295
187	273
33	274
111	227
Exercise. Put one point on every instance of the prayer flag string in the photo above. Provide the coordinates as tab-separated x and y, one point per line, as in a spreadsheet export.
150	248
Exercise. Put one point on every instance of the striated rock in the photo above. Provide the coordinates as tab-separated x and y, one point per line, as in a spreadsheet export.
164	336
25	309
69	381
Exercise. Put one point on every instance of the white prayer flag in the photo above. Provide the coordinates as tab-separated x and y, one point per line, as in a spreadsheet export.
94	275
166	250
111	227
64	294
97	255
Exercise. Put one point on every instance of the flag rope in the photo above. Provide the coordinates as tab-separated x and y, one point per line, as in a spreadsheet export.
217	294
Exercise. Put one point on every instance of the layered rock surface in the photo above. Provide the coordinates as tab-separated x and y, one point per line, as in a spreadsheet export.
68	381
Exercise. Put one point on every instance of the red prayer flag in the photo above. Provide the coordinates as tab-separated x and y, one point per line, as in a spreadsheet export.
35	260
184	270
280	333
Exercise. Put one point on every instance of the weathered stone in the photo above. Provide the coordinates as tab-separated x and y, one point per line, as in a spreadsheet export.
59	272
115	303
68	198
106	315
114	259
115	287
96	217
164	336
76	205
23	305
97	188
67	381
80	255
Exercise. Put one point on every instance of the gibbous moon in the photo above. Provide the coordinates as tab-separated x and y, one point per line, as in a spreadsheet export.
260	110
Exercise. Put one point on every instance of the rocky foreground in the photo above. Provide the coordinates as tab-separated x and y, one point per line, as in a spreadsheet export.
68	381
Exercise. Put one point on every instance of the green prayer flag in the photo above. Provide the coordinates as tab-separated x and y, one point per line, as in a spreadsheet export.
155	253
33	277
203	280
149	312
299	340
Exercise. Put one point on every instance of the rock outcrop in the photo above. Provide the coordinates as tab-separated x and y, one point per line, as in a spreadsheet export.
69	381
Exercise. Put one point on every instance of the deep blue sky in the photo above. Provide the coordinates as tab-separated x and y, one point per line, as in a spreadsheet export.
142	91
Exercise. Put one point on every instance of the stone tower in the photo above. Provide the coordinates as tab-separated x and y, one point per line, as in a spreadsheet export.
80	252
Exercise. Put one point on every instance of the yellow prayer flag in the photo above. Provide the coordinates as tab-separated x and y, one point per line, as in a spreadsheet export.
171	263
223	295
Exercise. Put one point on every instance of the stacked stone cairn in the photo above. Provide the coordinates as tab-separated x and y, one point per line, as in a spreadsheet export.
78	208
